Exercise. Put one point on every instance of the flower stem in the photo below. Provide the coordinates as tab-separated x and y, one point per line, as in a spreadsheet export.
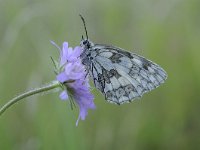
50	86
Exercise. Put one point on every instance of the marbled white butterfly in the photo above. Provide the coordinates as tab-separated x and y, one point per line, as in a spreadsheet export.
120	75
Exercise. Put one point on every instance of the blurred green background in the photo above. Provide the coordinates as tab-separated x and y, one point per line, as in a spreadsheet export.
167	32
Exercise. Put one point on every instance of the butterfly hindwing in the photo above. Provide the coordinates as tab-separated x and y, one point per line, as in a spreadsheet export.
123	76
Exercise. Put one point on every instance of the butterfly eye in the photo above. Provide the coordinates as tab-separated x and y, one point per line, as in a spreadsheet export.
85	42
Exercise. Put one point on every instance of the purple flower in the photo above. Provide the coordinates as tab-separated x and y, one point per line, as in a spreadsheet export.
73	77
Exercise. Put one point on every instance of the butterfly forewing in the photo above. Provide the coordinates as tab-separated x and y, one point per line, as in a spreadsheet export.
120	75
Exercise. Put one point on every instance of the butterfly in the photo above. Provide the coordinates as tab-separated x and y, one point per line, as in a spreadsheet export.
120	75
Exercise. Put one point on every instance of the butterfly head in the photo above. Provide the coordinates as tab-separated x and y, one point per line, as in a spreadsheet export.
86	43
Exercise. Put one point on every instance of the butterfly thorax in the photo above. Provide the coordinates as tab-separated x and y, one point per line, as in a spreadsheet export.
88	53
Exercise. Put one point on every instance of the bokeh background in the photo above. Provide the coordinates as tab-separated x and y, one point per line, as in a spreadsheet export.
167	32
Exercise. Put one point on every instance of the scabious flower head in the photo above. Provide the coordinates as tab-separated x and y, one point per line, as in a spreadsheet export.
75	80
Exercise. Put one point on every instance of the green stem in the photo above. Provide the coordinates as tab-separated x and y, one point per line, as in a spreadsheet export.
52	85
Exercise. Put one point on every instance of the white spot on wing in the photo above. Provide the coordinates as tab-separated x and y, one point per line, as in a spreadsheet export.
137	61
108	87
115	82
105	62
125	61
106	54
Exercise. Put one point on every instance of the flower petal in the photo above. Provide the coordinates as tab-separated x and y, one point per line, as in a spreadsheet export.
62	77
63	95
77	51
64	53
84	101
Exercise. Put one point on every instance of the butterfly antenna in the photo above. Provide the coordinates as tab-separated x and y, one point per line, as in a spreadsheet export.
84	26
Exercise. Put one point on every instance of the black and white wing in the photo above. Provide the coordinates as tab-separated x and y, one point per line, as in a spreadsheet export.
123	76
